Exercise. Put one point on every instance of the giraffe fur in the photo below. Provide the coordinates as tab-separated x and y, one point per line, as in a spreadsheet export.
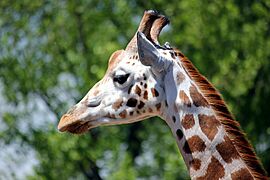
146	80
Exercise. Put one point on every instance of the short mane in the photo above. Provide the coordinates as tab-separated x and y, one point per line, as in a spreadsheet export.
231	126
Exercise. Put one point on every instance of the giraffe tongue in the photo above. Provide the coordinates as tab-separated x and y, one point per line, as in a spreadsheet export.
72	125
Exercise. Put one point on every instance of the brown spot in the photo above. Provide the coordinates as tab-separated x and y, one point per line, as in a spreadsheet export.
215	170
186	148
138	90
108	115
166	103
198	99
138	112
158	106
172	55
136	57
112	116
131	113
195	164
180	54
133	64
144	77
188	121
123	114
145	95
154	92
141	83
164	53
141	105
96	92
241	174
179	134
173	118
227	151
117	104
180	77
150	110
195	143
129	89
184	98
209	125
128	62
145	85
132	102
115	58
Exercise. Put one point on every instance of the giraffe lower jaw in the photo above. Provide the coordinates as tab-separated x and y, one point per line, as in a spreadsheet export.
78	127
82	126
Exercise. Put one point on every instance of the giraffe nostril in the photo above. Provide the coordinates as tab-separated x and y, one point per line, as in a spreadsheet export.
94	103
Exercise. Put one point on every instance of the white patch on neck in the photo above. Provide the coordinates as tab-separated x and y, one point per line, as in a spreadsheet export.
232	167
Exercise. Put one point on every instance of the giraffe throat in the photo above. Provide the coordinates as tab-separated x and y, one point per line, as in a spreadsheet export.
202	139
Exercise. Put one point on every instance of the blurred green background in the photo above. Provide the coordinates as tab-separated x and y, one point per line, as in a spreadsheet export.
53	52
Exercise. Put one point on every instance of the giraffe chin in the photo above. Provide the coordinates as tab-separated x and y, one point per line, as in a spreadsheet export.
79	126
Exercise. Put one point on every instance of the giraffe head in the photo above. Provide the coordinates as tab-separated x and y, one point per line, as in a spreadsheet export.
132	88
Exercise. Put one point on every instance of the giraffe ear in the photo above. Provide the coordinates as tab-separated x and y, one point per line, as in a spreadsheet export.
148	53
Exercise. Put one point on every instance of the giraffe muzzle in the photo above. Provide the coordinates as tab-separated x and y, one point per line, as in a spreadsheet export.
70	124
81	117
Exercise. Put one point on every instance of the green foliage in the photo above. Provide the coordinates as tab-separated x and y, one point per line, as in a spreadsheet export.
52	52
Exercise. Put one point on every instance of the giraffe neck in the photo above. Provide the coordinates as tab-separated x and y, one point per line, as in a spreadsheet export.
202	139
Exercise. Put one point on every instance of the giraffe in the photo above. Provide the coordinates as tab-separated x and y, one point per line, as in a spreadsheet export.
148	79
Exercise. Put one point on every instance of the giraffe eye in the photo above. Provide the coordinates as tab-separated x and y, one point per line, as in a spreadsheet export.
121	79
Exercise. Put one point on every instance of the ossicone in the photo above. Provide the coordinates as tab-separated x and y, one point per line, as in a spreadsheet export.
151	25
